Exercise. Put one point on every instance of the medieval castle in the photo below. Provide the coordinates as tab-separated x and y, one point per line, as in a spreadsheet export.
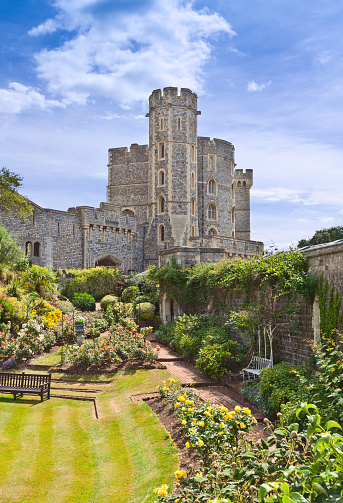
180	196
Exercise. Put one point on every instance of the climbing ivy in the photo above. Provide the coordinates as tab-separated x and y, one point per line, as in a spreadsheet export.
329	307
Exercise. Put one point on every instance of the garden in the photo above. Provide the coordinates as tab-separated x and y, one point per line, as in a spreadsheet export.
58	451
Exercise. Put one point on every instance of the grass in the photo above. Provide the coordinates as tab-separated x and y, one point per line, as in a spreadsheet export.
49	359
56	451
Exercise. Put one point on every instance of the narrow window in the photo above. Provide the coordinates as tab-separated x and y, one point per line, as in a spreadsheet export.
161	124
212	187
162	233
90	233
161	208
211	212
34	219
193	206
192	181
210	162
193	153
161	151
28	248
179	123
192	231
74	230
233	234
244	185
36	249
59	229
161	178
233	215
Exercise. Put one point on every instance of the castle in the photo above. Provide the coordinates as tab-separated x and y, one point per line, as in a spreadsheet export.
180	196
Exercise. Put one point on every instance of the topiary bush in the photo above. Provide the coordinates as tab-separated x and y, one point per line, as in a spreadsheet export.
129	294
108	300
97	281
146	311
83	302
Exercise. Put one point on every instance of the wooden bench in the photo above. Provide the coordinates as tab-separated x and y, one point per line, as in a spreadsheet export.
28	384
255	366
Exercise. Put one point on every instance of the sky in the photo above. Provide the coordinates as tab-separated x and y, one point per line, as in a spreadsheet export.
76	75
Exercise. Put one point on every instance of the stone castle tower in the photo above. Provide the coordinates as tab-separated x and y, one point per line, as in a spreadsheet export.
183	189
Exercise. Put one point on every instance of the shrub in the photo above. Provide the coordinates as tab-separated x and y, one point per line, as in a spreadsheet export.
7	308
130	293
146	311
84	302
40	280
97	281
219	359
108	300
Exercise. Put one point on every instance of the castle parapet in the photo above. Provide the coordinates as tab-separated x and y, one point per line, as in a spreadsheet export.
170	96
122	155
244	176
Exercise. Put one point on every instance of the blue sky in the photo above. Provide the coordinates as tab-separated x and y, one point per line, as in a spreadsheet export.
76	75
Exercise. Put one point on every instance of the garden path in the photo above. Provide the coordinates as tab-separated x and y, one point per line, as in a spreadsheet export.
207	389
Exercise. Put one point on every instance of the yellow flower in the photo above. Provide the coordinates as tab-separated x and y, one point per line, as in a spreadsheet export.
191	409
164	383
200	443
183	409
242	425
247	411
222	425
184	422
161	491
181	398
207	413
237	408
199	474
224	409
171	381
220	433
194	422
176	404
234	448
187	445
192	431
201	423
176	501
180	473
164	388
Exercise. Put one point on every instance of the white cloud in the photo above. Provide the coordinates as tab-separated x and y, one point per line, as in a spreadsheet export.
18	98
327	220
253	87
125	55
277	194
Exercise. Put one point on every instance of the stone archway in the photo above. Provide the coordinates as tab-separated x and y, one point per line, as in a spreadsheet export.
109	261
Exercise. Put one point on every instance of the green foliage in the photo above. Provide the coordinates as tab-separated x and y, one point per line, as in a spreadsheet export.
10	200
7	309
98	281
286	272
145	310
329	307
41	280
188	333
219	359
323	236
129	294
10	252
83	302
108	300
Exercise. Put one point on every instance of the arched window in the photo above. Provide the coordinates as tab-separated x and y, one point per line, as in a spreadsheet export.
238	185
192	180
161	178
161	205
244	185
193	206
212	186
211	212
212	232
161	233
28	248
36	249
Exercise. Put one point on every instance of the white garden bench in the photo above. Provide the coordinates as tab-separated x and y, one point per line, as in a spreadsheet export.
255	366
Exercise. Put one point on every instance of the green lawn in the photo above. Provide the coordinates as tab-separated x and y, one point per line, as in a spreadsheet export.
57	452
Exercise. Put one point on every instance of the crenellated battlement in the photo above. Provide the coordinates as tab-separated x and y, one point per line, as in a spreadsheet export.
222	148
121	155
244	176
170	96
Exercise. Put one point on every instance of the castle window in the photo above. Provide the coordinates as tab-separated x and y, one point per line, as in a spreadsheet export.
212	232
233	215
233	234
179	123
192	231
244	185
211	212
34	219
238	185
193	153
90	233
28	248
36	249
161	236
193	206
59	229
74	230
161	178
161	124
212	186
161	205
192	180
161	151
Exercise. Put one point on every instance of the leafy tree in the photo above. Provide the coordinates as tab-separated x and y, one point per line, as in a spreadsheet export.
10	200
323	236
10	252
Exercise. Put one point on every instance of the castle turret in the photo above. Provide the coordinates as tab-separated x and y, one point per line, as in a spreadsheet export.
172	153
242	183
